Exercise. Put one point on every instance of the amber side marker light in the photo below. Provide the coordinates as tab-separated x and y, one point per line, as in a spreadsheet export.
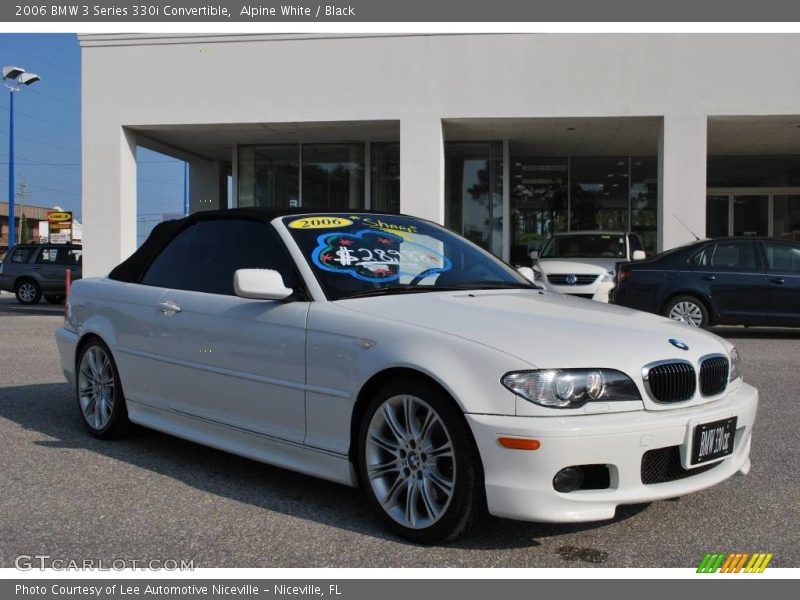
519	443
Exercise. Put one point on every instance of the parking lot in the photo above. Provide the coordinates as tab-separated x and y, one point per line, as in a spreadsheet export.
153	496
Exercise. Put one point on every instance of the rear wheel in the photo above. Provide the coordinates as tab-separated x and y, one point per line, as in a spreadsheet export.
417	463
28	291
99	392
687	309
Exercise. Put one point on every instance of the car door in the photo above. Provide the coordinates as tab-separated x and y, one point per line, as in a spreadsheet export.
783	272
732	275
235	361
50	269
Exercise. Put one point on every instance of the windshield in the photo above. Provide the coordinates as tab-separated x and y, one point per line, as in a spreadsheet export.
585	246
366	254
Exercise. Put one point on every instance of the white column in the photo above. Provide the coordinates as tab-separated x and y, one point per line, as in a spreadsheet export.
422	167
108	205
205	185
681	179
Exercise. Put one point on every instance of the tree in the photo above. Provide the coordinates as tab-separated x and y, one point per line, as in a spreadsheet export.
24	233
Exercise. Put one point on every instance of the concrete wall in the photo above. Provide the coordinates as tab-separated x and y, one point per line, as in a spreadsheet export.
419	80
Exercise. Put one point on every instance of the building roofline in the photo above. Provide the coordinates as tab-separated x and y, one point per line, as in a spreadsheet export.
89	40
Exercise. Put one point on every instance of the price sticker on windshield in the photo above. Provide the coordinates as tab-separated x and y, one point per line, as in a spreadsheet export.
371	255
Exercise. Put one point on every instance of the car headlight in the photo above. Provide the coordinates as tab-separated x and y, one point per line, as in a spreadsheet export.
736	365
570	388
608	277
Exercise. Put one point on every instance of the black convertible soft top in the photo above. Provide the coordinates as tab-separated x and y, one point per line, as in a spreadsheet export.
133	268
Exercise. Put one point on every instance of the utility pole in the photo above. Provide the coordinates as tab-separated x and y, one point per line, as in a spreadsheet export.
22	195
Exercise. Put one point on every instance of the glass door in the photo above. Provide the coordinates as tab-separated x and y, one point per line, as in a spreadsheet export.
750	215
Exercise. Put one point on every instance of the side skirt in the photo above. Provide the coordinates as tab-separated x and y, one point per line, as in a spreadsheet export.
273	451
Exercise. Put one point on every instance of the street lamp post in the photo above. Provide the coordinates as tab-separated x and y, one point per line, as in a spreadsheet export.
13	78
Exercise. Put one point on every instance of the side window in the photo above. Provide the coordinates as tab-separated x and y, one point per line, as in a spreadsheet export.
21	255
163	271
221	247
48	256
734	255
701	259
782	257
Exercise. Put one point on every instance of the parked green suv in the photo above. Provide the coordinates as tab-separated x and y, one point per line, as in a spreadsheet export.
31	271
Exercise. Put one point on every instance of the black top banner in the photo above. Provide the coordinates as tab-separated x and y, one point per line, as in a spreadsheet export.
403	10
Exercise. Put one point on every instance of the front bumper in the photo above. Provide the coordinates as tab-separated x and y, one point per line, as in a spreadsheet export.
519	482
598	292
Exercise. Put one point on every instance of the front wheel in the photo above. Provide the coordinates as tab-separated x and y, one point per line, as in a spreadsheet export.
687	309
417	463
99	392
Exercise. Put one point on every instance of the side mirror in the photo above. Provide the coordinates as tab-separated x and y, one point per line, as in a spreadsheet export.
526	272
534	254
639	255
260	284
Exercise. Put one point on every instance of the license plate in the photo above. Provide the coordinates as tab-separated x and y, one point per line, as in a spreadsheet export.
713	440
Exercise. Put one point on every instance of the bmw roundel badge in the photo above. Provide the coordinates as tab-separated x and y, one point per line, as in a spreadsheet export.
678	344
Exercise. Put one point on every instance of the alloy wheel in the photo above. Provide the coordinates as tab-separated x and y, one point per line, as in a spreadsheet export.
687	312
96	387
27	292
410	461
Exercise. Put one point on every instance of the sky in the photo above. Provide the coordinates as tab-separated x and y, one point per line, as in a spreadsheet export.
47	133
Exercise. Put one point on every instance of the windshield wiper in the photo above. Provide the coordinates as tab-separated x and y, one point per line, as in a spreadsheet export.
412	289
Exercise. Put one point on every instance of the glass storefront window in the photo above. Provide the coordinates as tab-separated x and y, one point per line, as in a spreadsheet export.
644	200
717	215
599	193
538	203
333	176
269	176
474	192
786	217
385	177
753	171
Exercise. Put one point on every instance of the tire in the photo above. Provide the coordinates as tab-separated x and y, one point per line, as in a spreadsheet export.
28	291
421	498
102	405
689	310
55	298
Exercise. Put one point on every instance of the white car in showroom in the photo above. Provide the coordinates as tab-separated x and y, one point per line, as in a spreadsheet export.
583	263
388	352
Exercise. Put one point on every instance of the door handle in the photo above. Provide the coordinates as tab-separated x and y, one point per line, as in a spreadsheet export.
709	277
169	307
779	280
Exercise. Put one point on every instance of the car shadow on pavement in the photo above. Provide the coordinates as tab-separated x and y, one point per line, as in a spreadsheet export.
50	409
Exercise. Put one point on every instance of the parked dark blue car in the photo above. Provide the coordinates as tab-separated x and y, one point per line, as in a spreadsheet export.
725	281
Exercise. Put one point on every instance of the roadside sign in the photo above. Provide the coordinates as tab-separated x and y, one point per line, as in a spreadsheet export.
60	224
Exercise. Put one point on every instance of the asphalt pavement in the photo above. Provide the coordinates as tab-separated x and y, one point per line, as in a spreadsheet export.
152	496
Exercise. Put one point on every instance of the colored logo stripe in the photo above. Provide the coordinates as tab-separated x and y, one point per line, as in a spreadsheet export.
734	562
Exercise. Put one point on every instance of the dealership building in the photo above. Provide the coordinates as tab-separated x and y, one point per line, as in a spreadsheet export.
504	138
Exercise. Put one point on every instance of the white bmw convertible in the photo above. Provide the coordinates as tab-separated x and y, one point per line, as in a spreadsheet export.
386	351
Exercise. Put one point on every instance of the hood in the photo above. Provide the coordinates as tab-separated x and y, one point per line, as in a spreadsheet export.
577	265
548	330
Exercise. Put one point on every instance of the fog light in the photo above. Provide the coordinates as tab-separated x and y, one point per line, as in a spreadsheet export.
568	479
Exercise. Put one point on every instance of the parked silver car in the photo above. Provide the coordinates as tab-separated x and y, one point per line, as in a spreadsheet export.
31	271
